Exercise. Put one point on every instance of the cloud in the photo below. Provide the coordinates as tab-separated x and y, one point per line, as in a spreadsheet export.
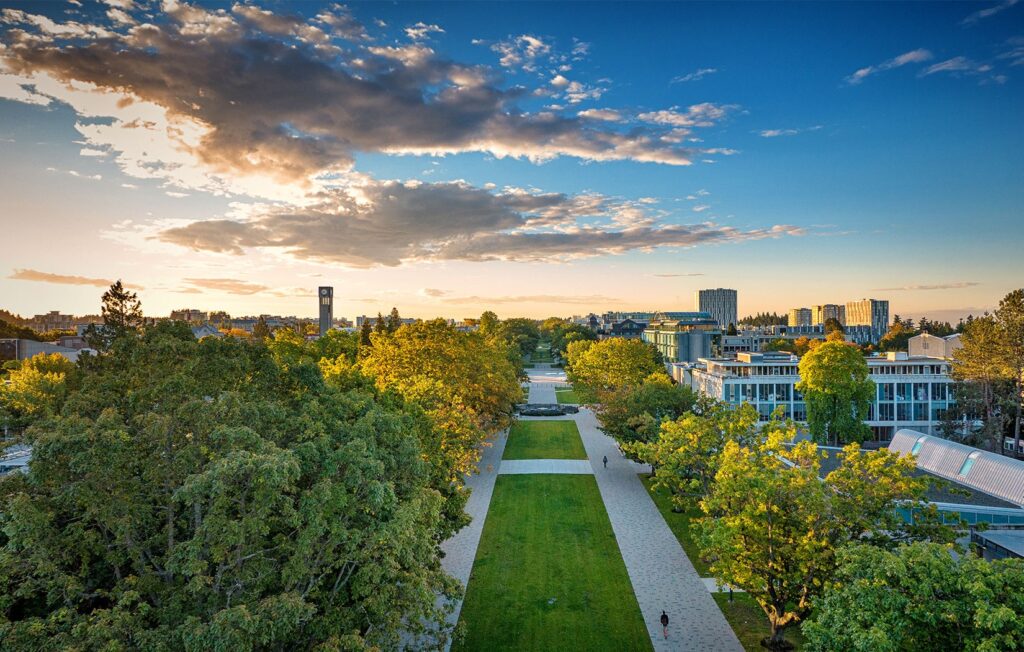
63	279
1015	52
522	51
775	133
535	298
227	285
432	292
963	66
990	11
698	115
607	115
696	75
941	286
421	30
700	208
914	56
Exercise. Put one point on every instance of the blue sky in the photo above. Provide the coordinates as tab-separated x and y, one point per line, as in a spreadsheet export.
537	158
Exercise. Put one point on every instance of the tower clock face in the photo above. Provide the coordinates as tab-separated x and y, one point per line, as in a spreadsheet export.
323	292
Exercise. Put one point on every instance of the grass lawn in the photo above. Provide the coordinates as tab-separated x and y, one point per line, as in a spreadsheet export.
567	396
744	615
749	622
544	440
541	355
548	574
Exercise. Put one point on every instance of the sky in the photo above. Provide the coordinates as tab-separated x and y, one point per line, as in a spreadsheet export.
533	159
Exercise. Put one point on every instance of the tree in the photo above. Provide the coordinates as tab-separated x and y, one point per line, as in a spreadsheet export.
731	330
381	325
602	368
685	453
489	322
982	387
36	387
1010	319
835	384
196	495
833	325
919	597
364	334
898	336
463	381
122	314
563	336
636	413
772	526
261	331
394	321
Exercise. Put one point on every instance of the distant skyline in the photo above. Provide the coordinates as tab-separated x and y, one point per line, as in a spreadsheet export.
533	159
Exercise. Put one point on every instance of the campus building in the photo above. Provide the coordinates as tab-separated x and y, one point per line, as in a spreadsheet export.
684	336
720	303
326	309
873	313
909	392
822	313
800	317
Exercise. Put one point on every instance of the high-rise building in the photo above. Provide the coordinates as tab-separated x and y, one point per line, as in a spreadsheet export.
800	317
720	303
189	315
326	309
821	314
869	312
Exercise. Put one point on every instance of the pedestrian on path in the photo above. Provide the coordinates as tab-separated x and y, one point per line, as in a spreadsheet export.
664	623
606	461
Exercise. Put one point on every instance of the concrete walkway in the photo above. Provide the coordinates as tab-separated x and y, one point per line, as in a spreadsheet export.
661	573
543	380
519	467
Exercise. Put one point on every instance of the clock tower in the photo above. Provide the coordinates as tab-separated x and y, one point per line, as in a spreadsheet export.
326	309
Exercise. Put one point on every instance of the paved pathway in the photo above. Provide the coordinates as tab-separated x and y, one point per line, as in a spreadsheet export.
661	573
543	380
517	467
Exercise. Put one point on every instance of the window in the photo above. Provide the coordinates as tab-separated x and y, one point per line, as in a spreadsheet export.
917	445
968	463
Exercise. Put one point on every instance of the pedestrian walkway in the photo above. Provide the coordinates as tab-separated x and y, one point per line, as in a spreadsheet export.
662	576
519	467
714	585
543	380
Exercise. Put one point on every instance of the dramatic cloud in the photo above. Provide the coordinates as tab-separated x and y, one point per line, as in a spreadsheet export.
941	286
990	11
391	222
696	75
63	279
914	56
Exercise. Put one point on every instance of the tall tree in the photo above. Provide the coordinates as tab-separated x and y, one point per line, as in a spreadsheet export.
36	387
394	320
833	325
489	322
772	525
122	314
1010	318
919	597
635	414
835	384
261	331
364	334
601	368
982	386
381	325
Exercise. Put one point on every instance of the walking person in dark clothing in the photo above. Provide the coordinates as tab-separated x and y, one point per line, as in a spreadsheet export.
664	623
606	461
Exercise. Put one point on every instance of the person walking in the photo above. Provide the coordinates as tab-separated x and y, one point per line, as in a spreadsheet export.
606	461
664	623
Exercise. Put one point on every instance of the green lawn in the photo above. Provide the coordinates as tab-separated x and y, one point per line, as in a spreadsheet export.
566	396
745	616
548	574
544	440
541	355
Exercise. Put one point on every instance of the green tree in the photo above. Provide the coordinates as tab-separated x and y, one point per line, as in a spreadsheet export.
261	331
685	453
772	526
982	386
1010	318
364	334
835	384
898	336
197	495
489	323
635	413
563	336
394	321
599	369
833	325
122	314
36	387
381	325
919	597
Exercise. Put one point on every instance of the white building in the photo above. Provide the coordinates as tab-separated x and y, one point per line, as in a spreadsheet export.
909	393
720	303
925	345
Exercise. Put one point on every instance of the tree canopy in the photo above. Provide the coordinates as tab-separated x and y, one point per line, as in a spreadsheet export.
635	413
835	384
599	369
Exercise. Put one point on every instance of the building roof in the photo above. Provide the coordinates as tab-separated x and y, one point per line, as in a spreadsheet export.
1011	540
994	474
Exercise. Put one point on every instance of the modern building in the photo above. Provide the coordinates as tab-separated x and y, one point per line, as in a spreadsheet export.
822	313
869	312
720	303
20	349
934	346
190	315
326	309
800	317
684	336
52	321
627	328
909	392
